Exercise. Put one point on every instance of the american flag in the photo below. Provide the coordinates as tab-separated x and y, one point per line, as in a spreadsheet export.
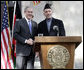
6	57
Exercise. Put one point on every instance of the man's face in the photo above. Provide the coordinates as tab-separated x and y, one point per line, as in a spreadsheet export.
48	13
29	13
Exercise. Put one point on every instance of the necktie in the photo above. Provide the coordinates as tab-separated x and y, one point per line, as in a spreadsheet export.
30	27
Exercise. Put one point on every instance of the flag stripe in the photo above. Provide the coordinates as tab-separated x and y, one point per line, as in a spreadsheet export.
36	2
5	41
3	62
5	44
16	15
4	50
10	62
3	66
9	48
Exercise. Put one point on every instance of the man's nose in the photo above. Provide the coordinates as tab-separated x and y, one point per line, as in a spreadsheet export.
30	13
48	12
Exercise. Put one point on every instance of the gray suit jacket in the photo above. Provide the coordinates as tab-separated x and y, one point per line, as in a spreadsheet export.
21	33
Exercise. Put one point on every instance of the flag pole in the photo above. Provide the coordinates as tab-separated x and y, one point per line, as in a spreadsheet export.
9	33
13	18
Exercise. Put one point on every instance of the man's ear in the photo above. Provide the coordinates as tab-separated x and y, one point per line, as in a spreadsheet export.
24	11
51	10
43	12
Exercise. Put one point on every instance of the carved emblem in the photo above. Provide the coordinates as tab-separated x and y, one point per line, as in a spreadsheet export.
58	57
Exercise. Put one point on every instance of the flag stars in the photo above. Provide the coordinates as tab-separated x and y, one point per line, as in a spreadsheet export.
5	6
4	9
5	20
4	24
3	27
6	13
4	16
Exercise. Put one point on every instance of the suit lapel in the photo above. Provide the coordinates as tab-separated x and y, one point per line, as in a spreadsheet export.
32	26
45	25
52	24
26	25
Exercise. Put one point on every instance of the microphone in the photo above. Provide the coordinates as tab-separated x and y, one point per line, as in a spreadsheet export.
55	28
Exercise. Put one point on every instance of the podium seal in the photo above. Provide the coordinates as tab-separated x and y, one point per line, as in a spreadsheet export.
58	57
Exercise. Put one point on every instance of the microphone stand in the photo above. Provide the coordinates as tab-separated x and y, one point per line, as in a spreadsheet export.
56	29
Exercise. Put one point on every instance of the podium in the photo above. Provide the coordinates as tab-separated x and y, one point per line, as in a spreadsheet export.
57	52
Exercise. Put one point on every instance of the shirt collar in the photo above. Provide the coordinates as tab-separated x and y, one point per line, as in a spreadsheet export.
50	19
27	19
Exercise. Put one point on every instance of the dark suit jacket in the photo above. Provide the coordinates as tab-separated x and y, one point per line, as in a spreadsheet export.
21	33
42	28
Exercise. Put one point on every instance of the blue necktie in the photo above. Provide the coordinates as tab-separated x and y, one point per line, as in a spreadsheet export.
30	26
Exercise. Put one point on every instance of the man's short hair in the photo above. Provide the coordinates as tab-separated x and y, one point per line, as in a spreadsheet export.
26	8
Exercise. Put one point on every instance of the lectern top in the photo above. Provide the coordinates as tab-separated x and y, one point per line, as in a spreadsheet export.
58	39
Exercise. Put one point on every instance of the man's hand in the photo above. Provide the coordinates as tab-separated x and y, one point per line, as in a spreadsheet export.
37	54
30	41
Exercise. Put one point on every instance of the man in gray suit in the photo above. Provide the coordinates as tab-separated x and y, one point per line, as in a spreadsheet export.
24	32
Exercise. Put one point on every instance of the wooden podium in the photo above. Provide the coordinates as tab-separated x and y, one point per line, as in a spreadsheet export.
44	43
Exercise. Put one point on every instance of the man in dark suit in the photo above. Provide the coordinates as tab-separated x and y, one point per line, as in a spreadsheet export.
24	32
50	26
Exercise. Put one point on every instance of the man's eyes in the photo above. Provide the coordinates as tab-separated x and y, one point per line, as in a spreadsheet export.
30	12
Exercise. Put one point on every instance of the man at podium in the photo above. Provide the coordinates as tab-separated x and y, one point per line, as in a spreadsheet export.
50	26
